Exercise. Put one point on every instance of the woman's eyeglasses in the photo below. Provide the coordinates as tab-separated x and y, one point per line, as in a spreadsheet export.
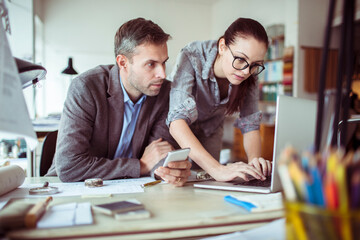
240	63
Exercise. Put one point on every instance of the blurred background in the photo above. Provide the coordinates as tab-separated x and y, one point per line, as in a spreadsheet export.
50	32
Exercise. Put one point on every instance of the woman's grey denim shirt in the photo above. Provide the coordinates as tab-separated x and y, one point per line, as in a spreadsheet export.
195	95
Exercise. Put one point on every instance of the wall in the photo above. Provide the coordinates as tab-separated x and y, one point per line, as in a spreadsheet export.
84	30
312	22
304	21
20	16
62	31
266	12
21	39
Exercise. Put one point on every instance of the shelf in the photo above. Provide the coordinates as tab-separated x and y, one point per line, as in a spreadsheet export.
264	102
270	82
276	83
274	60
278	38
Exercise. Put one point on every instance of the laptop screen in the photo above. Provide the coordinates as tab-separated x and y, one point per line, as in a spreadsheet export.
295	124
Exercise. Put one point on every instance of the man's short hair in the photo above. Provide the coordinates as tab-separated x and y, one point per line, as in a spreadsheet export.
136	32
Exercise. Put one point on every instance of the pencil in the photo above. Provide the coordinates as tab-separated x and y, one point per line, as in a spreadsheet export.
36	212
151	183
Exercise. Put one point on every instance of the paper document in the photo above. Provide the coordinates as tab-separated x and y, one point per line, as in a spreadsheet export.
263	202
14	117
131	185
66	215
2	204
11	177
46	124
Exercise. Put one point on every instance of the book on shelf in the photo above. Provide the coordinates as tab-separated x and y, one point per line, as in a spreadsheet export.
273	71
288	54
287	79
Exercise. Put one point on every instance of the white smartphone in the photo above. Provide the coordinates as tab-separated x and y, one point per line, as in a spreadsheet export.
176	155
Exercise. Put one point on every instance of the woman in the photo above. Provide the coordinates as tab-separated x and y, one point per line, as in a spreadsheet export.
213	79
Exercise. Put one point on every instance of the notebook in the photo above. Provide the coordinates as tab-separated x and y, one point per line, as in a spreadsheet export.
295	124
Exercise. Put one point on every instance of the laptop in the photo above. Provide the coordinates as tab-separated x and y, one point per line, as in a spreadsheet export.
295	124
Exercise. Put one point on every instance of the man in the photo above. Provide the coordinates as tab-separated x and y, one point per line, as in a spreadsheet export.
113	122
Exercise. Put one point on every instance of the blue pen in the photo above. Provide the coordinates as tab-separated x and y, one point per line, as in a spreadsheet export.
247	205
310	196
317	187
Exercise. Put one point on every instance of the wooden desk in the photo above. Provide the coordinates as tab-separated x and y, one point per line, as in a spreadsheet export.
185	212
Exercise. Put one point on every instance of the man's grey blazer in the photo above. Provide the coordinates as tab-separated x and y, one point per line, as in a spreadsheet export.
91	125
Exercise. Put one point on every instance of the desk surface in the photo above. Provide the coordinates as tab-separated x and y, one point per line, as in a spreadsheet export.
177	212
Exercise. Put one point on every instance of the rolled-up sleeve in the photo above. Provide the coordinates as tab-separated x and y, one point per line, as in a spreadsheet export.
249	123
182	102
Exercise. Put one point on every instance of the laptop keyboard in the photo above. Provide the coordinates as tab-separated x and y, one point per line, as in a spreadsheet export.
256	183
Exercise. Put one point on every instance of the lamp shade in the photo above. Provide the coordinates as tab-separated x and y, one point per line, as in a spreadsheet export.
30	73
69	69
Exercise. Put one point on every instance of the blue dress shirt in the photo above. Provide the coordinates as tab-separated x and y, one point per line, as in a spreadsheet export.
131	113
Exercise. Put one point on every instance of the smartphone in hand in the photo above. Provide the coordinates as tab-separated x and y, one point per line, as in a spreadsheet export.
176	155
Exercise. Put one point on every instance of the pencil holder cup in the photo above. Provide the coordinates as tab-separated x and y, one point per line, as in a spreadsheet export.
305	222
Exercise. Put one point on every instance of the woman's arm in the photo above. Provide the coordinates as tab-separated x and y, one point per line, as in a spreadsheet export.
182	133
252	146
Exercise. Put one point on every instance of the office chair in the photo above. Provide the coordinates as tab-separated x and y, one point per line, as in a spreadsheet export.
48	151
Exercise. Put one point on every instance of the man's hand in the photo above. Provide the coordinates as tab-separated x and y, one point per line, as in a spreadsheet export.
153	153
175	173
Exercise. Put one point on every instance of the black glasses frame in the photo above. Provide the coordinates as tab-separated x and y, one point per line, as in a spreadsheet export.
262	67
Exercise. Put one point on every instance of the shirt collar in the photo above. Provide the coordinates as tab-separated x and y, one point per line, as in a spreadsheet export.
127	98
